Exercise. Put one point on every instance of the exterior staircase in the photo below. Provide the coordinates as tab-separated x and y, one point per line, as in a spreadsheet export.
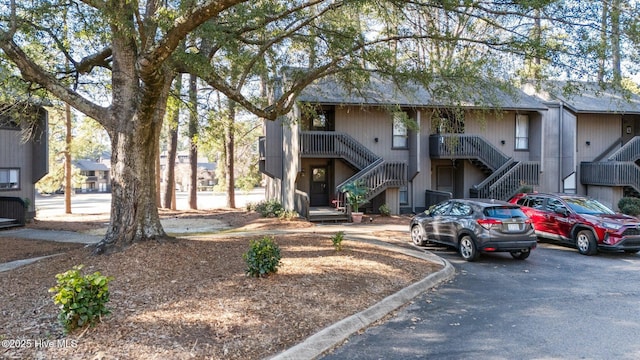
375	172
504	175
619	169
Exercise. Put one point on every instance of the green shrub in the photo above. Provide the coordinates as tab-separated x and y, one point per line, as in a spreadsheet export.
384	210
288	215
263	257
269	208
336	239
81	299
629	206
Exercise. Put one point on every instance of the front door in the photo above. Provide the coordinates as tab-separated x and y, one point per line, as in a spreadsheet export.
319	194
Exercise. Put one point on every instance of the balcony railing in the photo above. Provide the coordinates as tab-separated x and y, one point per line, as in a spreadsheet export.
461	146
610	173
331	144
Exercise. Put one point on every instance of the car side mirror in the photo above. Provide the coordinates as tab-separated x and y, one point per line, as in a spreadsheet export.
562	211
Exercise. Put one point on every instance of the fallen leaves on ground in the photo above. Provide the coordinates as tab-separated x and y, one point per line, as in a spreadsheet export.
192	299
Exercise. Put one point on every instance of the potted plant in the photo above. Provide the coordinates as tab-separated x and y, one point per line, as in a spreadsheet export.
355	192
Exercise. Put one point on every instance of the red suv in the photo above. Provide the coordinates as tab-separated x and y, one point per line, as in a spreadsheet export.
580	221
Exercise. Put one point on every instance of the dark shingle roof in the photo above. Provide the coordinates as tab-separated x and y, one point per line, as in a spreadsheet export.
379	91
586	97
89	165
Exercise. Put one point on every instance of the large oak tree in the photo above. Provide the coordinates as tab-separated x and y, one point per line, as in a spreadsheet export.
115	62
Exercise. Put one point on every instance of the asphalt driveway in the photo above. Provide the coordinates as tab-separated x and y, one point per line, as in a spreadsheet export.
555	305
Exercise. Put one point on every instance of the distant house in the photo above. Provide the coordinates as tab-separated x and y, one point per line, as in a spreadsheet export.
206	172
461	147
22	163
96	173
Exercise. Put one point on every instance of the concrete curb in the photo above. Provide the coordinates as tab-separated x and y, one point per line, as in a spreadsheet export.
335	334
17	263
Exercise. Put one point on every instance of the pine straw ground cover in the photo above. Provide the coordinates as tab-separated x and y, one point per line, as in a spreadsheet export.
191	299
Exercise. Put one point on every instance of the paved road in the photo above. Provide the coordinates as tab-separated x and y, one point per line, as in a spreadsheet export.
555	305
95	203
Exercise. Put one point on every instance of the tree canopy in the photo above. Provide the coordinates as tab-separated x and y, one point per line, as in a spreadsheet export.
115	60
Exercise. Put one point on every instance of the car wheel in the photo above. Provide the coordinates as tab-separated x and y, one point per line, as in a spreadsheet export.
468	249
417	235
521	254
586	242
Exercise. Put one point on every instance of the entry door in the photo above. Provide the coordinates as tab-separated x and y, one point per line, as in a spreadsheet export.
319	194
444	178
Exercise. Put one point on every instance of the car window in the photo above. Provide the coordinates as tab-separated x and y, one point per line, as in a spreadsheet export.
460	209
588	206
504	212
554	205
535	202
440	209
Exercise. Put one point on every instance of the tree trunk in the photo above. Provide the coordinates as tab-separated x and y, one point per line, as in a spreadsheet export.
134	142
67	161
174	120
229	140
193	147
615	42
134	215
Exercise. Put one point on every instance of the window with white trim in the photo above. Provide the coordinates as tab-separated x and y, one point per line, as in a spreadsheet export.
522	132
400	133
9	179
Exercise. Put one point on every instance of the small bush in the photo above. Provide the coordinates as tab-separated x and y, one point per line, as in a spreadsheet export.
81	299
336	239
629	206
384	210
288	215
263	257
269	208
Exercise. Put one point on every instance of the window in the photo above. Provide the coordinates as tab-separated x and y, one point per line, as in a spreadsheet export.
404	195
440	209
8	123
400	133
460	209
9	179
522	132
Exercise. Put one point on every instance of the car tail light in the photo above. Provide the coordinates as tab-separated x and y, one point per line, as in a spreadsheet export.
489	223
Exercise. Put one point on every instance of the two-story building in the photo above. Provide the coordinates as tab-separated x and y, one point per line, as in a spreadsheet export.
491	146
23	161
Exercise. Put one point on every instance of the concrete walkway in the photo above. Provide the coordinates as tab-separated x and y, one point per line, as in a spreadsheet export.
330	336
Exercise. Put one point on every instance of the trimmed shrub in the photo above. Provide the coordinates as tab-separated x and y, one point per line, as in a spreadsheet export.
263	257
629	206
81	299
384	210
269	208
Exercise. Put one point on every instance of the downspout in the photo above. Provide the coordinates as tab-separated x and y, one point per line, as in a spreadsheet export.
418	157
561	142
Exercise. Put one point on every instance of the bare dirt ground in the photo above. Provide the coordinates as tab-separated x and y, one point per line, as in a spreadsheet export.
191	298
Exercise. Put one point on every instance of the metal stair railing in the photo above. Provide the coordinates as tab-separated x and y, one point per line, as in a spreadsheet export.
378	178
336	145
610	173
523	173
482	189
628	152
467	146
